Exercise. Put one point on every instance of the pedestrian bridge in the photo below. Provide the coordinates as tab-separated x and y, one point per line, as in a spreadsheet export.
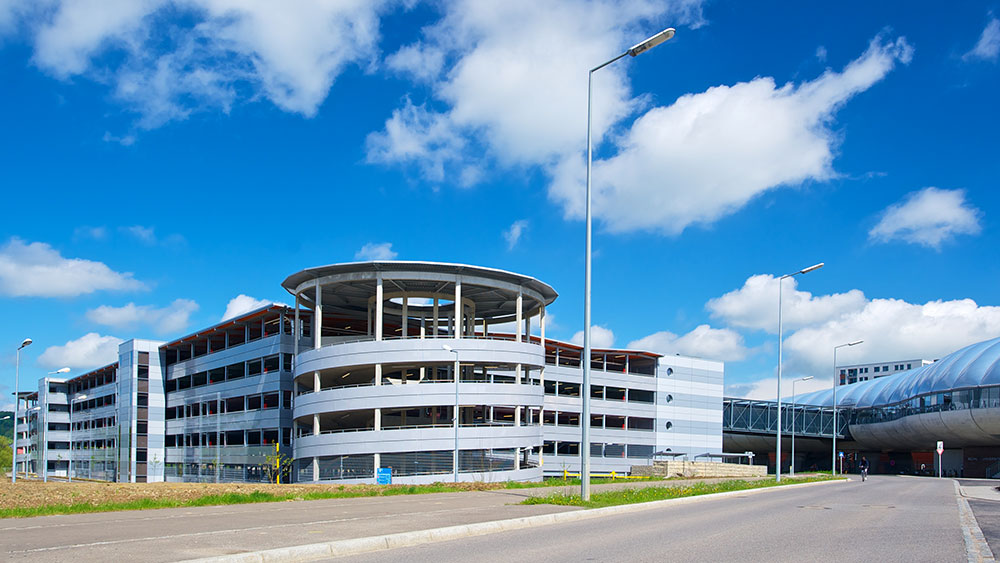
748	416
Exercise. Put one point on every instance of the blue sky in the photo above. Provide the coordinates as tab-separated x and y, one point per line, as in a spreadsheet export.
165	162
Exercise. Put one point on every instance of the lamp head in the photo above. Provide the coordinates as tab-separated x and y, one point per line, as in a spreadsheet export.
811	268
855	343
653	41
446	348
806	378
26	342
60	370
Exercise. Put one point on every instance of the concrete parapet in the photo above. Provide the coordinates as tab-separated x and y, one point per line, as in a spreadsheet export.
698	469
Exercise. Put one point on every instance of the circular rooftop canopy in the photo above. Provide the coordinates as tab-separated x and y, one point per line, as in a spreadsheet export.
349	287
977	365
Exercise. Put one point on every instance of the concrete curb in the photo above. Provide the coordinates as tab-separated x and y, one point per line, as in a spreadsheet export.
976	547
340	548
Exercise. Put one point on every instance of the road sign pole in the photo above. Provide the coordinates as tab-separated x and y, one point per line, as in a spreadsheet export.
940	452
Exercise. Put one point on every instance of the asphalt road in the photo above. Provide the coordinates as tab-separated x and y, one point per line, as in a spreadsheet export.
884	519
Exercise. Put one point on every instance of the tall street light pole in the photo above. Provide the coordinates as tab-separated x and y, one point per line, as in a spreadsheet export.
458	368
585	390
777	449
13	444
833	461
791	468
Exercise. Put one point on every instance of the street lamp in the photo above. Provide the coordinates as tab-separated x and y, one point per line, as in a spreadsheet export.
794	381
13	444
69	470
585	391
447	348
833	464
777	456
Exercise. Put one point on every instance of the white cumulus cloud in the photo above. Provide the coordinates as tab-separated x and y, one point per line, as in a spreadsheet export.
708	154
244	304
89	351
755	305
38	270
928	217
507	86
702	342
513	234
212	53
988	46
766	389
892	329
376	251
163	320
600	337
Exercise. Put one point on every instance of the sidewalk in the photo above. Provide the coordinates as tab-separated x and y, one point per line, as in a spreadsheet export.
188	533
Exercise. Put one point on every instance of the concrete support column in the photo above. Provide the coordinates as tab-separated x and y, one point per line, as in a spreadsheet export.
315	469
295	330
318	318
458	309
518	324
378	374
423	328
378	308
435	327
405	332
378	419
315	425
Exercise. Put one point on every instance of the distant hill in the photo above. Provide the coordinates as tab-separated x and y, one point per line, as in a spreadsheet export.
7	426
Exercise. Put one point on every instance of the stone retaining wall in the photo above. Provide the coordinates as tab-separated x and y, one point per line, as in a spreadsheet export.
699	469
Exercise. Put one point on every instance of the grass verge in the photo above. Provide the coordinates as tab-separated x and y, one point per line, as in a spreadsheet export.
263	496
647	494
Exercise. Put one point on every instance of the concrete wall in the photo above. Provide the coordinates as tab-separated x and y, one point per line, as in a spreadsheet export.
699	469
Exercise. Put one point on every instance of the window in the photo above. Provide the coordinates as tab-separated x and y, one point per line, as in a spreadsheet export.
270	401
253	437
143	358
234	404
253	402
286	363
253	368
141	428
271	364
235	371
234	438
286	436
286	399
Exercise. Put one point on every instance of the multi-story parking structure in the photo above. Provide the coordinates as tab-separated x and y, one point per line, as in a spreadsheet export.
368	370
395	355
229	399
641	404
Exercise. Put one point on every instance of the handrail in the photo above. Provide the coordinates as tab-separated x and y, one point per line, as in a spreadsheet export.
524	381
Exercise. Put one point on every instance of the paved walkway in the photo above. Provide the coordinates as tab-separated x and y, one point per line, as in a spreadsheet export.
185	533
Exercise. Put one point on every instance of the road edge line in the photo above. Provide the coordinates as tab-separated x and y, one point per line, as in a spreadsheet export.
355	546
976	547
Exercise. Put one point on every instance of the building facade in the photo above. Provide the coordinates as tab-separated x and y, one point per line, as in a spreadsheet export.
854	373
435	371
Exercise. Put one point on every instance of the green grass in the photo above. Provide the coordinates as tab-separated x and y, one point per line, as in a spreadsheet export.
560	482
228	498
647	494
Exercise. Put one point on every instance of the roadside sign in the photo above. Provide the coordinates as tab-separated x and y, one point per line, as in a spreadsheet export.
841	454
383	476
940	447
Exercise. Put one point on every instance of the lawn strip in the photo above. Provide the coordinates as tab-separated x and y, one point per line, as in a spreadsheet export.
648	494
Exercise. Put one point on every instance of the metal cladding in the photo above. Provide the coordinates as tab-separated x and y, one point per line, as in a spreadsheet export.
974	366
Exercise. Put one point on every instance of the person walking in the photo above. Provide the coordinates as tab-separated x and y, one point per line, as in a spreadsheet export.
863	466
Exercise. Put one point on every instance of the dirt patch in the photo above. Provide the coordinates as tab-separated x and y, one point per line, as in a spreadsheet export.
29	494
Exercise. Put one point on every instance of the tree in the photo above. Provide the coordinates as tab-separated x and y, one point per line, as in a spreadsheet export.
5	454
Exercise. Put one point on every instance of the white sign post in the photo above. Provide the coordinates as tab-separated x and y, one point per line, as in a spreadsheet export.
940	452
